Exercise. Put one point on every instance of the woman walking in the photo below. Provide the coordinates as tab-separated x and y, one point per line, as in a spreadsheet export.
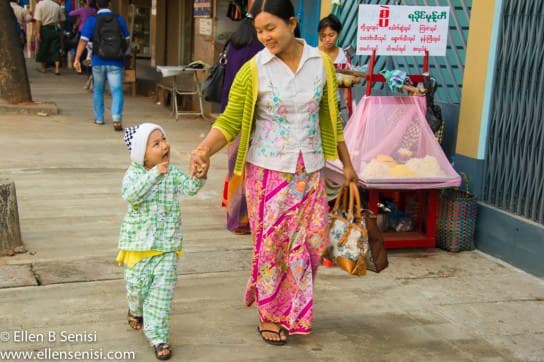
283	103
243	45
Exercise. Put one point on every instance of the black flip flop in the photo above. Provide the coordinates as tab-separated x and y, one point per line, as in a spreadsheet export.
269	341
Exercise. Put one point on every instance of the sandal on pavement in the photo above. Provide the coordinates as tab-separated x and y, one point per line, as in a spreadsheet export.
117	126
135	322
161	347
271	341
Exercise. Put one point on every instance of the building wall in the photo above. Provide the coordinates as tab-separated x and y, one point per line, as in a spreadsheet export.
326	7
479	54
514	239
207	47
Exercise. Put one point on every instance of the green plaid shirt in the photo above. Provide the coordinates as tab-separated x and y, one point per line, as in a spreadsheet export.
153	220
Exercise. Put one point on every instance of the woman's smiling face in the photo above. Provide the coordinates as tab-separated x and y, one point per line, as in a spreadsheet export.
275	34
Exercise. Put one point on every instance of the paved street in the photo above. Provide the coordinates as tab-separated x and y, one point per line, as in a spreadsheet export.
66	294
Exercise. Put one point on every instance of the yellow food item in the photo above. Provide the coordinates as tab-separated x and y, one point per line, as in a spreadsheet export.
401	171
386	159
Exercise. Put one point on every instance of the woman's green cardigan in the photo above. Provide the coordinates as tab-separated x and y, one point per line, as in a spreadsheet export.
238	116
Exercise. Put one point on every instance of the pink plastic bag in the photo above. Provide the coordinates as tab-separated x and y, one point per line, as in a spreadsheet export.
392	146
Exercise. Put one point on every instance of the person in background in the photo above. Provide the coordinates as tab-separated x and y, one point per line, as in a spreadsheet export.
49	17
83	13
110	69
283	103
329	29
242	46
23	17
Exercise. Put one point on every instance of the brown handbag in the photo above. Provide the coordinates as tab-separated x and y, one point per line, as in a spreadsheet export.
376	256
347	233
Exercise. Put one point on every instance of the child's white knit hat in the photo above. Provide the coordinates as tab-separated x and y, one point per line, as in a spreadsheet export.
136	140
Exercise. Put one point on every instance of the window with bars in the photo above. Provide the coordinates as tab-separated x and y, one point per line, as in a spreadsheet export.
514	175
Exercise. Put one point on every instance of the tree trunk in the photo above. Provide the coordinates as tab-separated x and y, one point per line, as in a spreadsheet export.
14	85
10	232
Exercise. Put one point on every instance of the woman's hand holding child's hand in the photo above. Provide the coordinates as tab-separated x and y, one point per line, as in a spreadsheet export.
199	163
163	167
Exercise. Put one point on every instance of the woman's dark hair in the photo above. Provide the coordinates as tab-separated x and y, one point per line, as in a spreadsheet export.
103	4
281	8
244	35
330	21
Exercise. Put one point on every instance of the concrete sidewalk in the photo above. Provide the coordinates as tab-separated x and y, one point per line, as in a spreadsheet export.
428	305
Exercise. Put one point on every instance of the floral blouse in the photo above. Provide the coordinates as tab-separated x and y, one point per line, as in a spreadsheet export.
287	113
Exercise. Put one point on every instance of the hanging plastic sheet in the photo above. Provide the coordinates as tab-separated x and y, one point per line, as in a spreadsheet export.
392	146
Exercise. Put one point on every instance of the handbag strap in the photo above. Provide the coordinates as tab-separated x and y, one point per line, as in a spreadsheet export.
351	202
354	203
341	198
223	55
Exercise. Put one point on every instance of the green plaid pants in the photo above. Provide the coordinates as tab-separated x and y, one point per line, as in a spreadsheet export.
150	288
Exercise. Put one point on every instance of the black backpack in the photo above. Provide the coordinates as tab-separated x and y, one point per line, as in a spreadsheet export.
108	39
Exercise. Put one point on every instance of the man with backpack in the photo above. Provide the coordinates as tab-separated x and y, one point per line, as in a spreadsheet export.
110	39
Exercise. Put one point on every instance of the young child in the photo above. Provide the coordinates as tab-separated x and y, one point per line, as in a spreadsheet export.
151	236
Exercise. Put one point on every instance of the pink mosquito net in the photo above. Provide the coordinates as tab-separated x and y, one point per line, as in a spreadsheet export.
392	146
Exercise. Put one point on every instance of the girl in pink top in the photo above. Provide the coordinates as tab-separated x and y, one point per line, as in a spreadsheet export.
83	13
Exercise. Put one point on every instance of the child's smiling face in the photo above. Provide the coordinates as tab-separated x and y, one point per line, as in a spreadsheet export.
157	150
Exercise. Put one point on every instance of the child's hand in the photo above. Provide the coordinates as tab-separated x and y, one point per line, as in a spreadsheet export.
163	167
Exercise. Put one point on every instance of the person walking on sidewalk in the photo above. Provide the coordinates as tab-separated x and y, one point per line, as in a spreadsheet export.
151	234
110	37
283	103
83	13
22	15
242	46
48	16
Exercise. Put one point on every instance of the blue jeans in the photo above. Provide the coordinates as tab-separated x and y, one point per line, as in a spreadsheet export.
114	75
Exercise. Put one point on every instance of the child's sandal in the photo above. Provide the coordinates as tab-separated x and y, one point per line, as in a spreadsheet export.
161	347
135	322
